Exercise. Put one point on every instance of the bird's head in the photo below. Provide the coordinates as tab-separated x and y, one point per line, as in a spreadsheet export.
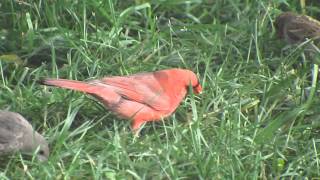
43	152
35	142
193	80
197	88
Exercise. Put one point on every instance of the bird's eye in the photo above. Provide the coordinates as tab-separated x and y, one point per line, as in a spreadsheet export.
41	152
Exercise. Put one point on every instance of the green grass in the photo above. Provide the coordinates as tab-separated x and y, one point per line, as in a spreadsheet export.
257	118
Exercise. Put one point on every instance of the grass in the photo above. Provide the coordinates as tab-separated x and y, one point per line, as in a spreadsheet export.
257	118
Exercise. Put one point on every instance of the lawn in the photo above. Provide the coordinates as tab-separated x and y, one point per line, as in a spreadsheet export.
257	118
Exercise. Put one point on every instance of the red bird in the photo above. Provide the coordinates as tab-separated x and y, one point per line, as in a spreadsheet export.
141	97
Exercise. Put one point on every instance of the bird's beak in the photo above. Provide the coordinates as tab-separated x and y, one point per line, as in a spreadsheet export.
42	158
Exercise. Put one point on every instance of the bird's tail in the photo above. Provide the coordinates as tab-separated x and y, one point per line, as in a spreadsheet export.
68	84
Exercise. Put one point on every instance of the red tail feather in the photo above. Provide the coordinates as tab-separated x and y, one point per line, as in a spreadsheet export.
68	84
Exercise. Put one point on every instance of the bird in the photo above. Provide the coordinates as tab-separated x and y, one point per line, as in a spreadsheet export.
294	28
17	134
142	97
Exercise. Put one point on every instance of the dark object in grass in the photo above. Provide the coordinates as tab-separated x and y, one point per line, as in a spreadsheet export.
56	47
17	134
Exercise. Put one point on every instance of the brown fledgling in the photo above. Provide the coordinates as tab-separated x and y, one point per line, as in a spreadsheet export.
294	28
17	134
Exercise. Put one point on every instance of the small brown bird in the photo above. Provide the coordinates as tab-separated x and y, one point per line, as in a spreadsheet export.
16	134
294	28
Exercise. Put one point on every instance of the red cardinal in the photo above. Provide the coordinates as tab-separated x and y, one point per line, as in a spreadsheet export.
141	97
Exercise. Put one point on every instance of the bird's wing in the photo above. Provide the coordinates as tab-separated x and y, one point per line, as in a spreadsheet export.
13	122
302	27
9	140
6	136
12	127
143	88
